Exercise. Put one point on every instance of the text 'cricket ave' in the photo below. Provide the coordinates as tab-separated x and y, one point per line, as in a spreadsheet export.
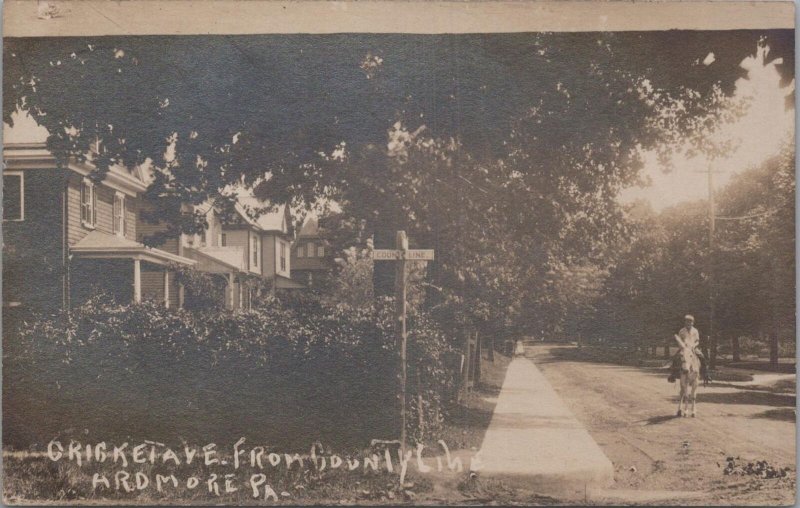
236	458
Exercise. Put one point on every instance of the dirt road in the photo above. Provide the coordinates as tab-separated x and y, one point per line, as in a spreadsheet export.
662	459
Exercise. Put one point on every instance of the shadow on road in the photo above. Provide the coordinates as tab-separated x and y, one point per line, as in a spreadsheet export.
785	414
784	367
655	420
747	397
612	357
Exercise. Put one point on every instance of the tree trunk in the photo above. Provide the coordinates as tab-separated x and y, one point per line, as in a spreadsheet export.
666	349
773	332
420	406
712	346
735	347
478	355
773	346
467	365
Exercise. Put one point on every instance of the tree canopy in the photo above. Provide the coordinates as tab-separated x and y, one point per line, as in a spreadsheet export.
504	152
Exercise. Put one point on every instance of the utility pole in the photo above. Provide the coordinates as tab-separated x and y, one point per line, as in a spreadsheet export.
401	244
711	347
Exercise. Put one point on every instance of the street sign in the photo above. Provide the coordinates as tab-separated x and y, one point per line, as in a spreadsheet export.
402	254
395	254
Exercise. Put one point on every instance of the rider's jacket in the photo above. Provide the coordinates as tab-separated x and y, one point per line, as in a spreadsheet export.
690	336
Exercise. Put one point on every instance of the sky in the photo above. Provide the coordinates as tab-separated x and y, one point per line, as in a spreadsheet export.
759	133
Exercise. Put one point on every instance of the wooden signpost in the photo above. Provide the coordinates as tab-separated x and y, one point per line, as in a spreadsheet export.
401	254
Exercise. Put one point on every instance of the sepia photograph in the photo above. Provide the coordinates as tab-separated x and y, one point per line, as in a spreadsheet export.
398	253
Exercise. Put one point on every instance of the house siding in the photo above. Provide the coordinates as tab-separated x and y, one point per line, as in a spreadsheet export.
132	206
152	283
33	260
239	238
76	231
268	252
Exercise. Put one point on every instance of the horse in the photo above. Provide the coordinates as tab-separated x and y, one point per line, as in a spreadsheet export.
690	377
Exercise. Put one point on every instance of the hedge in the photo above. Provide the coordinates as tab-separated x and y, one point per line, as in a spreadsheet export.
287	374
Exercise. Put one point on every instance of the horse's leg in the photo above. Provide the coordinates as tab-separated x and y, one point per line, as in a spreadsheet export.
680	398
694	398
685	397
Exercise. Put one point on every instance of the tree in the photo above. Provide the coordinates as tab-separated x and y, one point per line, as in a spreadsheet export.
503	152
758	245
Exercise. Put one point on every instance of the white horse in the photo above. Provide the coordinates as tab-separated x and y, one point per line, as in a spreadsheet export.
690	377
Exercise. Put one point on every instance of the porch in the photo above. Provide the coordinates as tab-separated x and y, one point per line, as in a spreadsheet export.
125	270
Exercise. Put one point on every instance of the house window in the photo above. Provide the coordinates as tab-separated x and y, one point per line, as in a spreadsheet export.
223	240
13	196
255	244
310	247
119	214
320	251
88	204
301	251
283	257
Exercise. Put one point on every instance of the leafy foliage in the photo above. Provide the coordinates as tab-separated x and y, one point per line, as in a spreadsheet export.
503	152
203	291
661	272
168	374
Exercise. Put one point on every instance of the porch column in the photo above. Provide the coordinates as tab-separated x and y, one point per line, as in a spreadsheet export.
166	288
137	281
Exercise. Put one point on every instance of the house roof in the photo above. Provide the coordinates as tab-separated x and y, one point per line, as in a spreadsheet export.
310	228
101	245
274	220
24	147
218	259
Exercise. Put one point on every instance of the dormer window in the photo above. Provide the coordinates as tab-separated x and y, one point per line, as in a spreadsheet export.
88	204
119	214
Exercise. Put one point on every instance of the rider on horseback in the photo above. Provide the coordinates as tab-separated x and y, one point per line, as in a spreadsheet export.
691	337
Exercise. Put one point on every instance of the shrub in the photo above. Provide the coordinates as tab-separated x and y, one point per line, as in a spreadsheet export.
283	374
202	291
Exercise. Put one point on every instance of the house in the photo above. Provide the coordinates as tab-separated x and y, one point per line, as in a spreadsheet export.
67	237
264	234
207	250
249	251
312	259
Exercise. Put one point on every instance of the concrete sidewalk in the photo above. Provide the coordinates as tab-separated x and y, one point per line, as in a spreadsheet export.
535	443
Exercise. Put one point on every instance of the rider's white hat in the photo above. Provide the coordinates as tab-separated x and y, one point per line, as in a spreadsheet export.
688	316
